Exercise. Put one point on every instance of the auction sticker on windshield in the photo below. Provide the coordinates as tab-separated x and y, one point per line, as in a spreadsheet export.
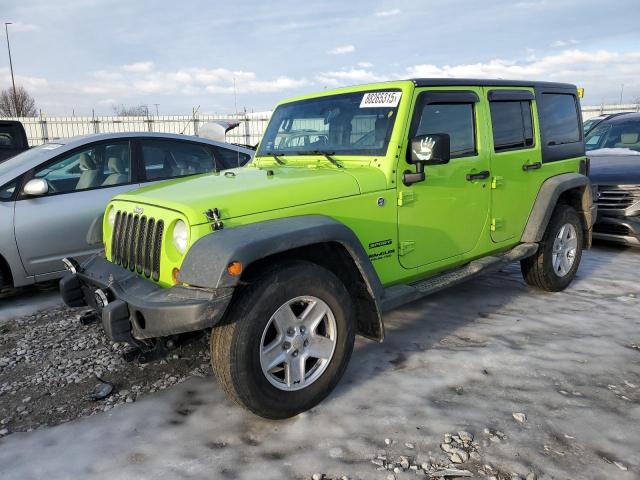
380	99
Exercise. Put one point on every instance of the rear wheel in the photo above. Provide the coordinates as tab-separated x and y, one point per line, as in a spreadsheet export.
286	340
556	262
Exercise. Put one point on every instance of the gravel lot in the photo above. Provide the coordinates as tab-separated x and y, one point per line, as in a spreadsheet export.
490	379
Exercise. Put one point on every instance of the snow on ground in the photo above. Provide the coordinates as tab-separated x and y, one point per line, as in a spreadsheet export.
24	301
463	359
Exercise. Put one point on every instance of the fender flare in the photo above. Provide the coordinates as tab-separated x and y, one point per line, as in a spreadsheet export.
547	198
205	264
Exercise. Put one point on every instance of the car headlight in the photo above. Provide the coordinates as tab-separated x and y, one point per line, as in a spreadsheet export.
180	236
112	217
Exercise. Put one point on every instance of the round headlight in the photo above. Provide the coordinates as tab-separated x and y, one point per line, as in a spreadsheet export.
180	236
112	217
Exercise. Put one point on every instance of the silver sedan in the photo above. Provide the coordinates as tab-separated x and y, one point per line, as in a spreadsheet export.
50	195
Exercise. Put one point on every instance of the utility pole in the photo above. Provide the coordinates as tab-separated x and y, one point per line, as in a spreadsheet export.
13	82
157	105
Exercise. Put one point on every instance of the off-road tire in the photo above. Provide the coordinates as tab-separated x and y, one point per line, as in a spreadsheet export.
538	270
236	341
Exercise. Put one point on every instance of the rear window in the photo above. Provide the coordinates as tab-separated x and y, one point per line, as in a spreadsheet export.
559	119
10	136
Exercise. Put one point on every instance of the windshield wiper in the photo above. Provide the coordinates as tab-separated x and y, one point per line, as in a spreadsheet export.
277	157
328	156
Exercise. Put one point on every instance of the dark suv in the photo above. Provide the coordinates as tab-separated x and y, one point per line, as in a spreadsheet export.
614	149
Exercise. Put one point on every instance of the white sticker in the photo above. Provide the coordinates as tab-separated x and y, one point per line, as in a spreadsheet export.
380	99
51	146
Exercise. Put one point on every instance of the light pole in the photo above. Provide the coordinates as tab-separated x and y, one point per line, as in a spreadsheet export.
13	82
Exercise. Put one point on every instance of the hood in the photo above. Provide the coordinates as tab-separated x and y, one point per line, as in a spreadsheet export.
619	169
244	191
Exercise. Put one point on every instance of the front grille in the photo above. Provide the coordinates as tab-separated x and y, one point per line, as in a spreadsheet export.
618	197
611	229
136	243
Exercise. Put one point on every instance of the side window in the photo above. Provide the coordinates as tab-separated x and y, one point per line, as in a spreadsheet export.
230	158
171	159
6	191
456	119
101	165
511	124
559	119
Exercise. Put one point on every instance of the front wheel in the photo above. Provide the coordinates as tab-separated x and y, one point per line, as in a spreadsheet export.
286	340
556	262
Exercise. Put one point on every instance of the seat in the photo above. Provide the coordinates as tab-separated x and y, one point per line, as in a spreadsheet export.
89	175
629	140
117	172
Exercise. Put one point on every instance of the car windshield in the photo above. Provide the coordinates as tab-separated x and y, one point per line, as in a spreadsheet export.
350	123
26	156
623	136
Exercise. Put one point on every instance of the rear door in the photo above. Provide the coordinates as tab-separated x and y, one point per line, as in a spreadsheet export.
516	162
53	226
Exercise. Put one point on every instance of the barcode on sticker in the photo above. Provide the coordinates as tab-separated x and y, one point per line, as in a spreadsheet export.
380	99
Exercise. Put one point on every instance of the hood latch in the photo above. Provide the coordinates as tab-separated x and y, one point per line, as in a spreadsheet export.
213	215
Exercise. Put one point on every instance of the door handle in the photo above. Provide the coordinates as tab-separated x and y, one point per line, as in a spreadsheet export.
531	166
478	176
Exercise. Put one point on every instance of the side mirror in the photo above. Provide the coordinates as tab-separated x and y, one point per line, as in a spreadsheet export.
430	149
36	187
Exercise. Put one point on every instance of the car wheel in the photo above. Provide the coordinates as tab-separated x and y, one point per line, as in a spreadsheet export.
556	262
285	341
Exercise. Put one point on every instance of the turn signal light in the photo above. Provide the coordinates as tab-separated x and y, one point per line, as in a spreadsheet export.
234	269
174	275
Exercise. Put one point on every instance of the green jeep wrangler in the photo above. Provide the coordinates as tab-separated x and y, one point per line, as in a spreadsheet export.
359	200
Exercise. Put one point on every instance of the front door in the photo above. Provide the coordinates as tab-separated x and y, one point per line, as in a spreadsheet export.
81	183
443	216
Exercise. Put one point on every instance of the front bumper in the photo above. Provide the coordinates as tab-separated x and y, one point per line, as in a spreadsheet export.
138	308
624	230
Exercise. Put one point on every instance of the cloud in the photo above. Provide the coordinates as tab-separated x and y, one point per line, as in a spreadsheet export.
365	64
22	27
138	67
597	70
348	77
564	43
342	50
388	13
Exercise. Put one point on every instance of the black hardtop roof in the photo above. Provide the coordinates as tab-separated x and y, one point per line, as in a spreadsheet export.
487	82
622	117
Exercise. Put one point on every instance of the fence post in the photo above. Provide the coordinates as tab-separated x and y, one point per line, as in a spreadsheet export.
247	134
43	129
96	125
195	122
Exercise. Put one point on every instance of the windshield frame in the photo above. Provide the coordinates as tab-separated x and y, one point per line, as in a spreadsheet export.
273	129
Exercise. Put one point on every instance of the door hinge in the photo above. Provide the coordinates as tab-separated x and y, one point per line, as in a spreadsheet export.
496	223
497	182
404	197
407	246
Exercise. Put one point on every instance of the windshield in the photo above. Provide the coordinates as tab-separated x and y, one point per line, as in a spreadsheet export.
622	135
26	156
350	123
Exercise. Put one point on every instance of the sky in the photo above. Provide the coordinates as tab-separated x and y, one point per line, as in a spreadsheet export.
79	56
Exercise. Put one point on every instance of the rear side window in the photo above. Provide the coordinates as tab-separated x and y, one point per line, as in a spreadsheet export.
230	158
559	119
7	191
511	124
455	119
10	136
164	159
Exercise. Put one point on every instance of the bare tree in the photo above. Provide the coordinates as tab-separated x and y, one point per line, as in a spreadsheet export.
22	105
131	111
